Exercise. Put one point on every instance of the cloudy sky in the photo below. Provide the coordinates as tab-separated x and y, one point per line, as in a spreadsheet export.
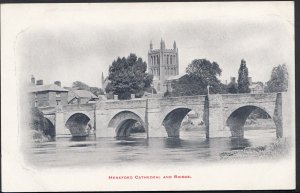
80	41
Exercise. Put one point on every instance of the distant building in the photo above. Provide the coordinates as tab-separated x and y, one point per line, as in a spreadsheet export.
169	80
50	95
81	97
163	64
256	88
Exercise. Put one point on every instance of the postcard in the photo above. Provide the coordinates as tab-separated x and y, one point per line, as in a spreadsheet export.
148	96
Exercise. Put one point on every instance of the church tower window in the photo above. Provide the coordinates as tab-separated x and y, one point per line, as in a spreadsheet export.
167	59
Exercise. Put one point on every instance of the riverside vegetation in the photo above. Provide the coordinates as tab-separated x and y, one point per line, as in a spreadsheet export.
277	149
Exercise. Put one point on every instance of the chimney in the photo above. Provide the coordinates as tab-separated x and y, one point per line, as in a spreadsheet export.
58	83
32	79
39	82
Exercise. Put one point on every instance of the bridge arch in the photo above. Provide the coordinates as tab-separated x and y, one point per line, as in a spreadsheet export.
79	124
123	122
172	121
237	118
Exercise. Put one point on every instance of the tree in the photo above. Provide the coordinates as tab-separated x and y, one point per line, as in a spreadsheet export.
200	74
279	79
243	81
41	127
78	85
128	76
232	88
96	91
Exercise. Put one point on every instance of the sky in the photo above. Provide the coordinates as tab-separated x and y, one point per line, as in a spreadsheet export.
78	42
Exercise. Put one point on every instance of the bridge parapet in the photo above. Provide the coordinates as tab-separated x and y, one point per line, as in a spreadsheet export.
249	98
79	107
122	104
154	103
185	100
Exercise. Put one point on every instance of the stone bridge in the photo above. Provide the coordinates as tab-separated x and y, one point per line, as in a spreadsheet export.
223	115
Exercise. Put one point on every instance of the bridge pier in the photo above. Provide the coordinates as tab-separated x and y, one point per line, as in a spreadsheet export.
153	113
60	127
278	116
101	125
287	118
216	126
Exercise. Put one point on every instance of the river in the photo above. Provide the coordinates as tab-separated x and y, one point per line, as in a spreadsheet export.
192	146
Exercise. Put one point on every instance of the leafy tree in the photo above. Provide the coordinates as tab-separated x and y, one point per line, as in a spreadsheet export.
96	91
109	88
279	79
78	85
259	114
128	76
200	74
232	88
151	89
243	81
42	127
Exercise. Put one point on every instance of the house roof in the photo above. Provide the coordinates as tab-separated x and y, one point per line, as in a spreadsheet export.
80	94
255	85
84	94
48	87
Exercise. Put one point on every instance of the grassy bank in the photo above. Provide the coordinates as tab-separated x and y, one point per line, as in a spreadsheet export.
277	149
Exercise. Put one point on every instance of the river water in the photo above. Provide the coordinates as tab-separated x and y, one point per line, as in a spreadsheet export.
192	146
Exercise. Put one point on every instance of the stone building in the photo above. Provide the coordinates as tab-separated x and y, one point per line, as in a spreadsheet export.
50	95
256	88
163	65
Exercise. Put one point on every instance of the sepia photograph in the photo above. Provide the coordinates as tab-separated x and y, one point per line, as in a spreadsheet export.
148	96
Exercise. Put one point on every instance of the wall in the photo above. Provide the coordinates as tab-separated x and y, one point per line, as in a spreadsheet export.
63	99
214	110
42	99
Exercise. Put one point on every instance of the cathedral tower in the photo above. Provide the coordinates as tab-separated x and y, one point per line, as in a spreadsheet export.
162	64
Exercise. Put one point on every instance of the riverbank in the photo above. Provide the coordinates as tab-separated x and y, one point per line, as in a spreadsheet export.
277	149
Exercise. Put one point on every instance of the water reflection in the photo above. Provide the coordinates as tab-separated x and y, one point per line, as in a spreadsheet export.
130	141
83	145
87	151
173	142
239	143
83	138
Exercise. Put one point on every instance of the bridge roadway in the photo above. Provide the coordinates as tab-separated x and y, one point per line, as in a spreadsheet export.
223	115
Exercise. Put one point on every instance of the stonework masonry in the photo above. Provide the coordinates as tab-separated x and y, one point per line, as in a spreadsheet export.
162	63
223	115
